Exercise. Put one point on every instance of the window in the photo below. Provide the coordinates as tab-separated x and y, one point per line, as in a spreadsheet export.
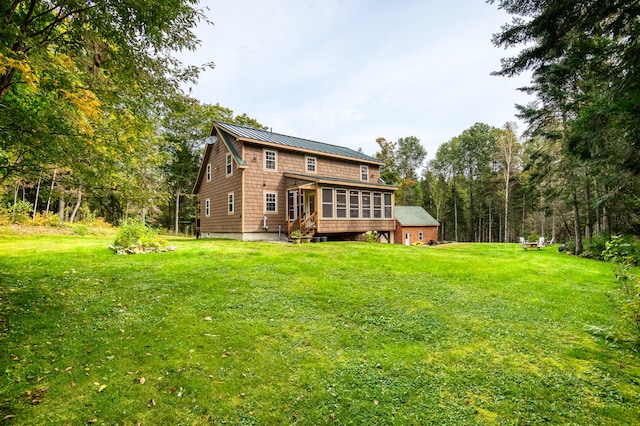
366	205
208	172
311	164
270	202
420	236
364	173
229	165
388	207
341	203
207	207
230	203
354	204
270	159
377	205
327	203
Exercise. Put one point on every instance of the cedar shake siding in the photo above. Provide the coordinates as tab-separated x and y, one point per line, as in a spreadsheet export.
277	182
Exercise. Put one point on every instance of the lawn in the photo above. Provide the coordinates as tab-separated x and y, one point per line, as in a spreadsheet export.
228	332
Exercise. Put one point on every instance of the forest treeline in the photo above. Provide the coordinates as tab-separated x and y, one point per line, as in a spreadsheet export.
94	122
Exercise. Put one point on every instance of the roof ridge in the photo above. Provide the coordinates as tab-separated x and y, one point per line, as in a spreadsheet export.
294	137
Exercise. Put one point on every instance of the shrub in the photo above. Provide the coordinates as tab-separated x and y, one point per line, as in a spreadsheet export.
596	247
20	212
134	236
624	254
371	236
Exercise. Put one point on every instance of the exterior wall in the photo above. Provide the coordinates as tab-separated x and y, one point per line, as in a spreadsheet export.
337	226
217	190
250	184
257	181
430	233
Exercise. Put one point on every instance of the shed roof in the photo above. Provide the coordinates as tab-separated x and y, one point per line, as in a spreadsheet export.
414	216
265	136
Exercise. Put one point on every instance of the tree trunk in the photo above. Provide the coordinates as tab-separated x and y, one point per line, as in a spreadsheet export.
587	199
506	208
15	202
35	203
455	214
576	223
53	181
77	206
177	225
61	207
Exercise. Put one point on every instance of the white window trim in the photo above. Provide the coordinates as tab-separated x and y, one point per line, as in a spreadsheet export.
332	203
384	206
362	208
207	207
275	160
231	203
346	203
209	172
228	161
364	172
373	205
315	165
349	203
275	201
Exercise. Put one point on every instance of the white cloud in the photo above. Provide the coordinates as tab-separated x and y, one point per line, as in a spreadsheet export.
347	72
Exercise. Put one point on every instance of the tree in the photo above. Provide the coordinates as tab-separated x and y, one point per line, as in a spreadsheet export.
507	154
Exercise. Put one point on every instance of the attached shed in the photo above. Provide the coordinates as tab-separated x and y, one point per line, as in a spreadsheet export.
413	225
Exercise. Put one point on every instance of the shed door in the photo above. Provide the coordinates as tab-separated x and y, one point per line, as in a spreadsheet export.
407	239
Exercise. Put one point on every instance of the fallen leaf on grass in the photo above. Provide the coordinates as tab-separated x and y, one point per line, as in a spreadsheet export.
141	380
92	421
207	319
101	388
375	402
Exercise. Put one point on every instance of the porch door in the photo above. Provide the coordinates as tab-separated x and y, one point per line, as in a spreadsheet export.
309	203
293	204
407	239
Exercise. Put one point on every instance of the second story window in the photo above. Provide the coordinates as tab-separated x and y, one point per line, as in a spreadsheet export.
208	172
311	164
229	165
270	159
364	173
207	207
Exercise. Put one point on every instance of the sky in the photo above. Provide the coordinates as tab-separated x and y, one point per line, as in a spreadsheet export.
347	72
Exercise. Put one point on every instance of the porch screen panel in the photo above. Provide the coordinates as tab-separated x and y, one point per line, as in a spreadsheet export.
366	205
377	205
341	203
327	203
354	204
388	207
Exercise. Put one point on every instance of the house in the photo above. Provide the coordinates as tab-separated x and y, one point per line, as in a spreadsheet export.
414	225
258	185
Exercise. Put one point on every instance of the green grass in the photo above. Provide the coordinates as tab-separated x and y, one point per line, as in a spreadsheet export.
227	332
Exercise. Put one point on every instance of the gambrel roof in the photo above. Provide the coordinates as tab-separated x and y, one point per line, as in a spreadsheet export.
266	137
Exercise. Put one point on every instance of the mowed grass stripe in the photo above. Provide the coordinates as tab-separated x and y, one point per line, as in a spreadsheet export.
348	333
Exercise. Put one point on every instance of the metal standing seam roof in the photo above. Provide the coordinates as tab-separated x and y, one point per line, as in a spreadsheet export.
251	133
414	216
